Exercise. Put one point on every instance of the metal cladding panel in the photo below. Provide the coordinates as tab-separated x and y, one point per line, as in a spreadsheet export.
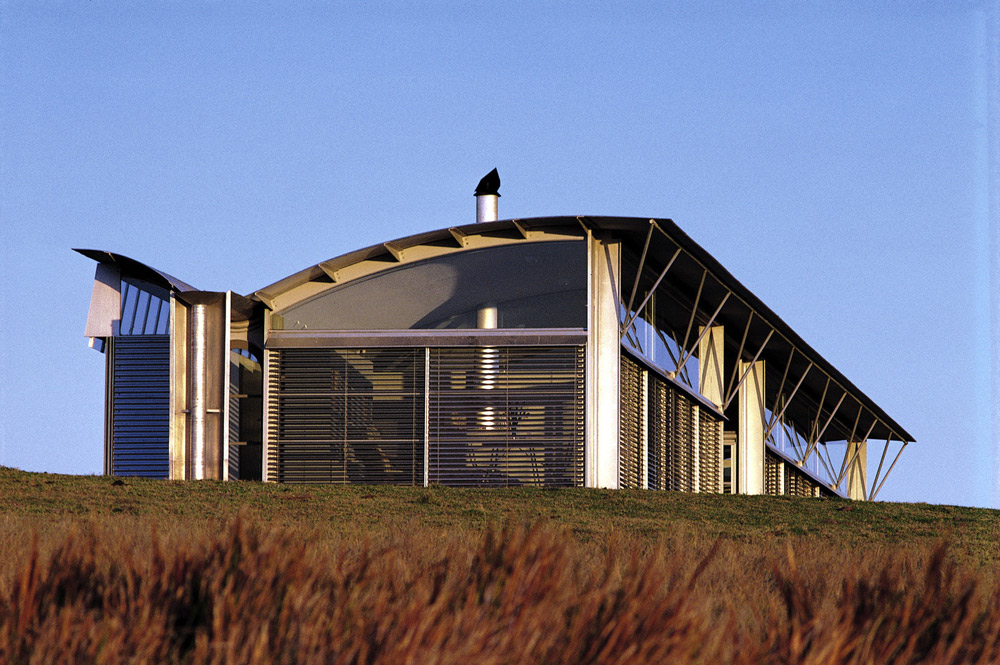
630	426
140	406
503	417
346	416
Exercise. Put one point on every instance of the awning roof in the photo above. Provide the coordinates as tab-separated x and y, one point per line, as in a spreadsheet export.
137	269
823	395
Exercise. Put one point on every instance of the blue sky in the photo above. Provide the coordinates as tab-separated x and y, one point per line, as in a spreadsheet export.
835	156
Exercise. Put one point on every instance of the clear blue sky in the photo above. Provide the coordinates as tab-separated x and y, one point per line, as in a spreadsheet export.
833	155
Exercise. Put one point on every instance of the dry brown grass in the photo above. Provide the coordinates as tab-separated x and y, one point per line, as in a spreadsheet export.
155	590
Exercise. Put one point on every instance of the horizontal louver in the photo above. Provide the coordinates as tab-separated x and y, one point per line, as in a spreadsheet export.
683	432
772	475
503	417
710	451
630	471
798	483
661	441
346	416
683	441
140	406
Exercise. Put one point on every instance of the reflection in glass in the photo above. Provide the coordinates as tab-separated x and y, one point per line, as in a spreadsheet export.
532	285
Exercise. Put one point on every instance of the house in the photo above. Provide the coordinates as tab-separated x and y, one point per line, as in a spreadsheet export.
558	351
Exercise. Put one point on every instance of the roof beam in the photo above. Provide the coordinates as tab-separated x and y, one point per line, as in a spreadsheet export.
330	272
395	250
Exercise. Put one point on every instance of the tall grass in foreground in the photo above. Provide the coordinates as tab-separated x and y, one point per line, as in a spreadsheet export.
513	594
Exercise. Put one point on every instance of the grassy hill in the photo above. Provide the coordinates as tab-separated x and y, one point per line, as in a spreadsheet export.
972	533
94	569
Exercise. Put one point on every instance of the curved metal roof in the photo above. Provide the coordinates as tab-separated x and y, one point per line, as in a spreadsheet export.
736	306
137	269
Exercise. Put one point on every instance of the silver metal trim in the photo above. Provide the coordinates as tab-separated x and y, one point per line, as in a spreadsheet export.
291	339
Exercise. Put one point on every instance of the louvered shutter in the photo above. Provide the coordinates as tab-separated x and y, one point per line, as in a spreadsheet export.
660	427
346	416
139	405
630	426
501	417
772	475
710	452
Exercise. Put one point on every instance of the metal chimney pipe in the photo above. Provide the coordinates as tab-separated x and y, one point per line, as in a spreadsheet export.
488	198
487	208
486	317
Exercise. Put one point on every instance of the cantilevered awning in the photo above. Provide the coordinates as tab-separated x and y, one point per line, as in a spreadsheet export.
137	269
803	387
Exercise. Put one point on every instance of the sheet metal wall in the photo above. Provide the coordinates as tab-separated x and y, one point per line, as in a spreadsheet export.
139	405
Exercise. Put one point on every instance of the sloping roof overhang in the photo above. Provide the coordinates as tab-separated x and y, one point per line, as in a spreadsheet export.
821	389
136	269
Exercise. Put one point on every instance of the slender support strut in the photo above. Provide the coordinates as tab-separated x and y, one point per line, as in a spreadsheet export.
788	400
739	354
642	263
629	320
708	325
878	471
819	436
614	287
846	466
886	477
694	310
736	388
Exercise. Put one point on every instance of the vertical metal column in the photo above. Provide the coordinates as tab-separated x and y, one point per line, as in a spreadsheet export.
198	405
603	359
179	315
199	387
857	474
427	415
711	370
750	435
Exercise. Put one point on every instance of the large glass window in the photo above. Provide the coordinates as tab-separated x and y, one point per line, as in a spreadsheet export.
531	285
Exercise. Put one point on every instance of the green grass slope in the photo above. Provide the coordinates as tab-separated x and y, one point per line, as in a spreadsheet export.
972	534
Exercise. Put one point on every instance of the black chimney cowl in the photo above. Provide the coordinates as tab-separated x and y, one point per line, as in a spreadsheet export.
489	185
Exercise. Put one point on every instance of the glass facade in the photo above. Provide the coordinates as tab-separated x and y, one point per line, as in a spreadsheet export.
532	285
